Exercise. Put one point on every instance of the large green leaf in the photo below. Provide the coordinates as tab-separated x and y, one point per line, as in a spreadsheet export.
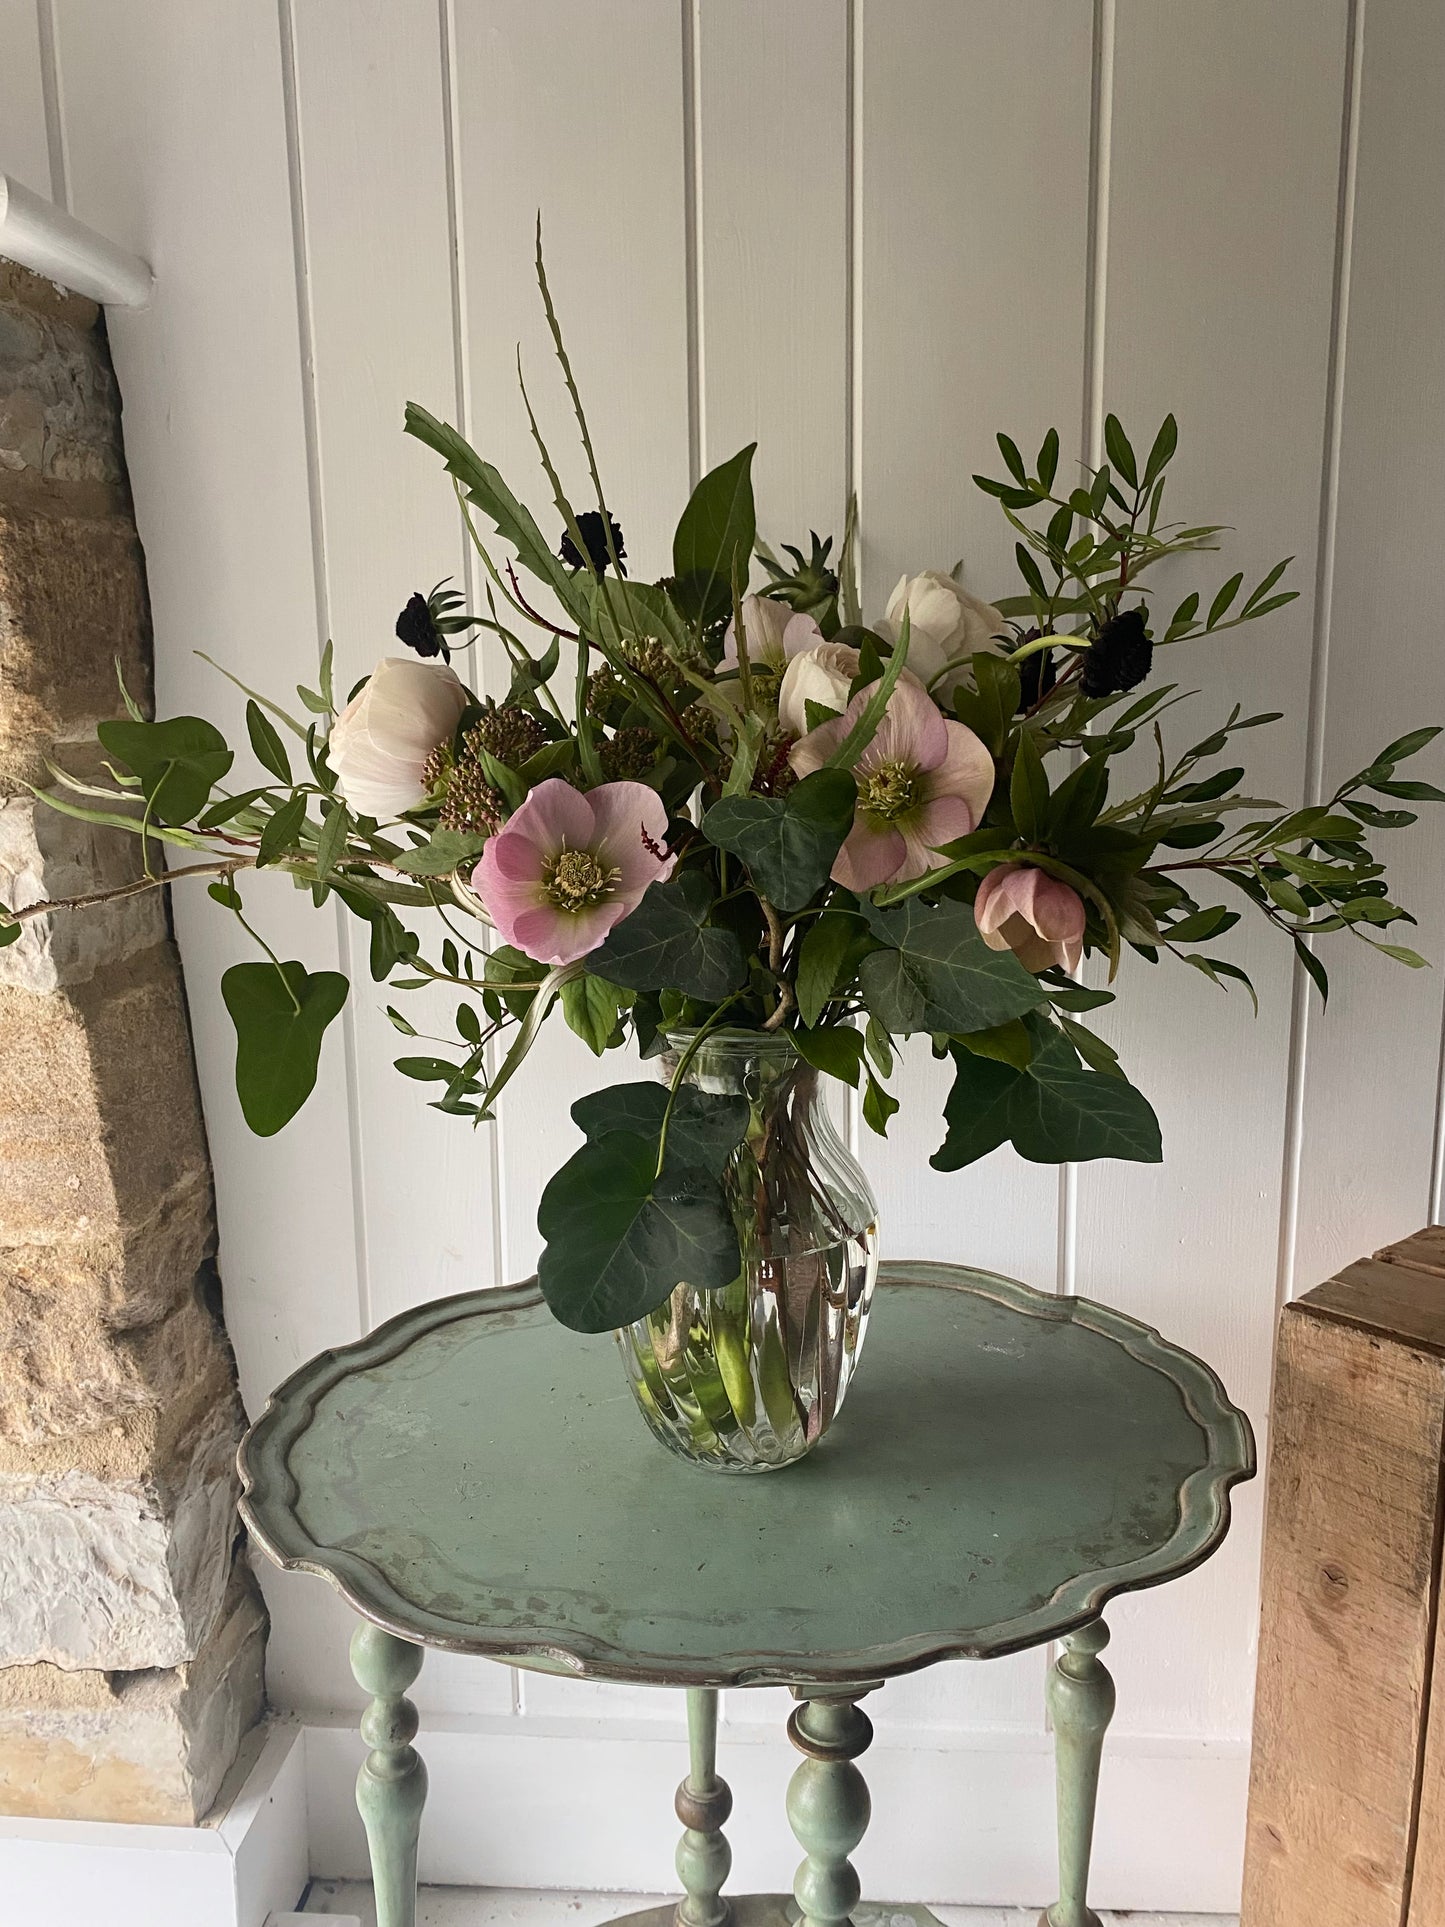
1060	1113
977	1110
592	1008
511	519
827	957
1055	1111
178	762
788	842
704	1130
279	1027
668	944
619	1237
936	973
713	546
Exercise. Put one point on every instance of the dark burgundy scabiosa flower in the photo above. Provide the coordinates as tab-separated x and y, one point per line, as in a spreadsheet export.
1119	656
594	535
416	627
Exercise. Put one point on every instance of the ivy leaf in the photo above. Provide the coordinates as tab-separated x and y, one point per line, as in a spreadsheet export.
938	974
178	762
977	1110
280	1015
837	1050
619	1237
789	843
668	944
592	1008
827	955
705	1129
1059	1113
878	1106
713	545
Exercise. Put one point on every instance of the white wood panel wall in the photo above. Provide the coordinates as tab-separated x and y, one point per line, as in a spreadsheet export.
869	232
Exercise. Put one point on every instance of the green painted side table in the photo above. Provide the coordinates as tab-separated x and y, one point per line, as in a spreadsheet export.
474	1477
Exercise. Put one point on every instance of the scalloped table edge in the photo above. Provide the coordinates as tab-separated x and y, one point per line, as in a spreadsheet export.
1204	1507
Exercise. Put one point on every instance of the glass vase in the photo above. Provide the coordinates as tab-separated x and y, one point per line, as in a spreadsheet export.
750	1377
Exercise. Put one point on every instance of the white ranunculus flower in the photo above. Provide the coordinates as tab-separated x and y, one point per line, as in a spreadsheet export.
381	740
946	625
775	633
821	675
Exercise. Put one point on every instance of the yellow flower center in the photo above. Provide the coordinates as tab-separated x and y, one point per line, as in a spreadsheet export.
889	790
574	879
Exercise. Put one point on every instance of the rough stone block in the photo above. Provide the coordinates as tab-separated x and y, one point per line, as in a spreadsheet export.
119	1574
99	1112
45	855
59	411
72	603
143	1747
22	289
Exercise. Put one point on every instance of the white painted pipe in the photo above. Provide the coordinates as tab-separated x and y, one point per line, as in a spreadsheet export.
47	240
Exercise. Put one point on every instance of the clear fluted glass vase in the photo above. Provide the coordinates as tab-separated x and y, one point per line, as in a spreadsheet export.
750	1377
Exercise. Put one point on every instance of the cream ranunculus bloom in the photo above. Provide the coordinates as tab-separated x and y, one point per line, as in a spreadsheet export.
381	740
946	625
821	675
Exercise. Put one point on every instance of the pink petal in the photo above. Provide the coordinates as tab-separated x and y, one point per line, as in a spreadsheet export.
624	815
506	899
996	899
554	936
812	751
965	769
555	816
801	632
911	732
513	858
926	828
870	856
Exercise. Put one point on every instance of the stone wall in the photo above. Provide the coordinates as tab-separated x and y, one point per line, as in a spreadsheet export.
131	1636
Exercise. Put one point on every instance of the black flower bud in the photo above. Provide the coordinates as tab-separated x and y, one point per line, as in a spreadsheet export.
1119	656
416	627
594	535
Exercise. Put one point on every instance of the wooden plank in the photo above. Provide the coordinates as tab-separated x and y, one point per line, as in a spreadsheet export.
24	147
1219	309
371	113
1425	1251
1350	1573
1367	1140
1391	1300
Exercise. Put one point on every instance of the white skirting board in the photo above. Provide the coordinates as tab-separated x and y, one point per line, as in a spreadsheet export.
249	1864
580	1804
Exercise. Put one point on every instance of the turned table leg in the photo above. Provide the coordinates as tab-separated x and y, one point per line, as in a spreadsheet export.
703	1805
828	1804
1081	1702
391	1786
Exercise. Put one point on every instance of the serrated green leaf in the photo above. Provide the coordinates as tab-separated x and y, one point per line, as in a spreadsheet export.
826	958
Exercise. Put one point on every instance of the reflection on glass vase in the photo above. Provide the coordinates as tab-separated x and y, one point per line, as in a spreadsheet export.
750	1377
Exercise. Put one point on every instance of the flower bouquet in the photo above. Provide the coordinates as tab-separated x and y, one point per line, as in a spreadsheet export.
724	818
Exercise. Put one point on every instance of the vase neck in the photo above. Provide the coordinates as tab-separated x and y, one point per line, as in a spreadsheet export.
743	1063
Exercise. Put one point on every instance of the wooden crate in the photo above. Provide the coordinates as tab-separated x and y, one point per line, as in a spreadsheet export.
1347	1790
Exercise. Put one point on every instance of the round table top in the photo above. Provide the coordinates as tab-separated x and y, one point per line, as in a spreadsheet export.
475	1477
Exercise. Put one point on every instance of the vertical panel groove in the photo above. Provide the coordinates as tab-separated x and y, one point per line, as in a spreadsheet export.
692	220
462	400
54	104
853	269
1091	439
1299	1026
306	343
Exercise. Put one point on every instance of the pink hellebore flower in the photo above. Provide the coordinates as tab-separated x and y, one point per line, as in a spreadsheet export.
567	867
922	781
1038	917
775	634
